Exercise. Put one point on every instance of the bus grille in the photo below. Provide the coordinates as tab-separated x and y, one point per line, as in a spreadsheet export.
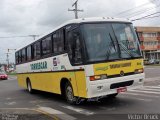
121	84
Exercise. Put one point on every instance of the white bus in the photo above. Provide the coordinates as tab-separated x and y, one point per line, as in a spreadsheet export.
83	58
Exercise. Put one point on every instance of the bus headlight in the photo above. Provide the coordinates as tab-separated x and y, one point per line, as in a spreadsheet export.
139	70
98	77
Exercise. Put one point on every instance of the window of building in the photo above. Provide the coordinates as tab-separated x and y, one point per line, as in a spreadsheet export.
141	43
58	41
150	34
47	46
140	34
29	53
155	42
37	50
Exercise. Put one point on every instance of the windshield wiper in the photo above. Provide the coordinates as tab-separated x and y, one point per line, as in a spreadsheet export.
125	49
108	51
109	47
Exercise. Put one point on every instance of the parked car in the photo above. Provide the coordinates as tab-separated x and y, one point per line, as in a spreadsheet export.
157	61
3	76
153	61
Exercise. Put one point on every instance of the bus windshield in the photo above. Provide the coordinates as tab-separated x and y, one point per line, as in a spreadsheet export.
110	41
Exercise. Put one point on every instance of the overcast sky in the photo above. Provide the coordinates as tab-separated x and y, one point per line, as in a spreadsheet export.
35	17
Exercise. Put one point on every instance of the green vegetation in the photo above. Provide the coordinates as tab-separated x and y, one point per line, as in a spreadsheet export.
11	73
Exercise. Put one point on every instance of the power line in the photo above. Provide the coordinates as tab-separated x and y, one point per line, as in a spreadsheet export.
152	17
33	36
14	36
148	17
145	16
143	11
11	50
132	9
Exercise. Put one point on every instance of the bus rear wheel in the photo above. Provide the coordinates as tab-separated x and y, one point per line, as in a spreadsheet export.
29	86
71	99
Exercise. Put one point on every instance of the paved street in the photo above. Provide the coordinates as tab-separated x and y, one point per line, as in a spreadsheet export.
15	100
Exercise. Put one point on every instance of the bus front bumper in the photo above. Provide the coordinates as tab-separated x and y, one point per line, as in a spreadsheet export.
115	85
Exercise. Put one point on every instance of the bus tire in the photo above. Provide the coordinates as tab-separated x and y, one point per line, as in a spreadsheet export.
112	95
29	86
69	95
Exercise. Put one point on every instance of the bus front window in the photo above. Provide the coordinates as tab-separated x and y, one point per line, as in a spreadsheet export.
99	42
127	40
109	41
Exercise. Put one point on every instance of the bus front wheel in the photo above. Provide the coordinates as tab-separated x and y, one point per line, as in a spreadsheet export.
29	86
71	99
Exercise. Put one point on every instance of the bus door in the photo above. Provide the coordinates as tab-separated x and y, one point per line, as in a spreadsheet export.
74	47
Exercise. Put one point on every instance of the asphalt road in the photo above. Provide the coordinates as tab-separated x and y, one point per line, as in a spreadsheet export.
17	103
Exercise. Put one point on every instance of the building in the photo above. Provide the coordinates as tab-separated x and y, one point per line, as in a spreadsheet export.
149	41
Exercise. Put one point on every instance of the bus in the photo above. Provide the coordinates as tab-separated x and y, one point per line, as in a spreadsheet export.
82	59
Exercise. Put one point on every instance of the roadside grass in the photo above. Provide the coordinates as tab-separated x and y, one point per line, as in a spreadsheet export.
11	73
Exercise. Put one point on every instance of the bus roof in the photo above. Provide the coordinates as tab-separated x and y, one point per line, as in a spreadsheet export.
83	20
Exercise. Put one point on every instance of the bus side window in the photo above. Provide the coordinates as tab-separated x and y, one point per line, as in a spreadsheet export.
58	41
17	58
46	46
24	55
36	50
29	53
20	56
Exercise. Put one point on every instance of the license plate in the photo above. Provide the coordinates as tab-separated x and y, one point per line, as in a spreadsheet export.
121	89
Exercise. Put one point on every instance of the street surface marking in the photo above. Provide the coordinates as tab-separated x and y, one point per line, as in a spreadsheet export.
138	94
152	79
59	114
49	115
146	100
79	110
149	89
8	98
139	91
15	109
155	87
30	109
10	103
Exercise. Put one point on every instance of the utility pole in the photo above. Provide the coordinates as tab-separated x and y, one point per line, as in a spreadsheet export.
7	59
8	56
34	36
11	49
75	10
